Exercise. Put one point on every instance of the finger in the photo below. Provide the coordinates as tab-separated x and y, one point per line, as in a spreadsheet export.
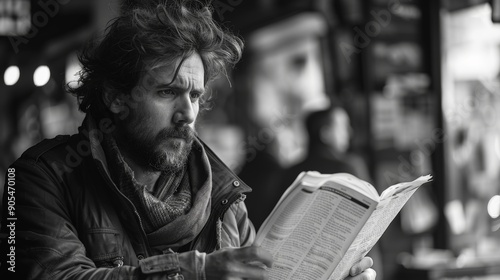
368	274
254	254
361	266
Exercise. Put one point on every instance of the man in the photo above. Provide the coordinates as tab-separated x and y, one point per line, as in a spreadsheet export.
329	133
135	194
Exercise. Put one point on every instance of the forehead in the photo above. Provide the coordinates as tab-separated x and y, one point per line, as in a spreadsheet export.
188	72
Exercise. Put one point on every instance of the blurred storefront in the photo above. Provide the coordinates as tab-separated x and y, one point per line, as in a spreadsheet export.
470	44
419	79
39	41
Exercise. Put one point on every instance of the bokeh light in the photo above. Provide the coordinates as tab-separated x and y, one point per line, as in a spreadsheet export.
41	75
11	75
494	207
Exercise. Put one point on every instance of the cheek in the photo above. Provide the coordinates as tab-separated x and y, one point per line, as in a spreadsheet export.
141	116
160	114
196	109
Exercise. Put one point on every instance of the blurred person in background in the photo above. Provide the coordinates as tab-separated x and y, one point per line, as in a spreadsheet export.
329	133
136	194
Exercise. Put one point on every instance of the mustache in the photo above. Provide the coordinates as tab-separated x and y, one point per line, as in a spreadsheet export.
184	132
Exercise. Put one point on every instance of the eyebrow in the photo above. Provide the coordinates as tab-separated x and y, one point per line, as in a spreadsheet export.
179	88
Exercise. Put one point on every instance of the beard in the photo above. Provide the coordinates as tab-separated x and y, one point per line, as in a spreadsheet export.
173	148
168	151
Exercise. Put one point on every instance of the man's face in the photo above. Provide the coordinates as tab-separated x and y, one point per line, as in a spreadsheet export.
157	129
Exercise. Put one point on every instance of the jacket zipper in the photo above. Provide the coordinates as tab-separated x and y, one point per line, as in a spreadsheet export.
115	189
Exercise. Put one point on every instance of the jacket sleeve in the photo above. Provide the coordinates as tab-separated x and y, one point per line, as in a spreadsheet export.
237	229
44	243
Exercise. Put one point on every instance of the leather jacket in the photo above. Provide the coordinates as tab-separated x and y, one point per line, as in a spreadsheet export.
72	222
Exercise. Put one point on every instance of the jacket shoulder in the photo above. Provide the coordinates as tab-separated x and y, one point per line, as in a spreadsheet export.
46	146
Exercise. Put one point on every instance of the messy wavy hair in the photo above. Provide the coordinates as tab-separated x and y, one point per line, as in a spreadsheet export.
147	35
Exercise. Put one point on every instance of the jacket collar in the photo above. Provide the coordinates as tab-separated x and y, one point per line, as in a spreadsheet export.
224	179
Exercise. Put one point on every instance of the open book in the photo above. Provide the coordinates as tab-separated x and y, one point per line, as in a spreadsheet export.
325	223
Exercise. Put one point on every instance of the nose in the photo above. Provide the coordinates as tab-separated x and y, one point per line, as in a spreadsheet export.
184	110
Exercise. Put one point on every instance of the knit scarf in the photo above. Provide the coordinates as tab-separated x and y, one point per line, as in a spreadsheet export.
175	211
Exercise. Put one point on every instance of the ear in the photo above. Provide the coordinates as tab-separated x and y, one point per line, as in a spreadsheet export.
114	101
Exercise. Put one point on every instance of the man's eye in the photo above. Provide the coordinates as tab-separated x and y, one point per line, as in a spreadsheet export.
166	92
195	95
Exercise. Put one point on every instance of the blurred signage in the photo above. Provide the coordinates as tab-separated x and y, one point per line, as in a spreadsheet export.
15	17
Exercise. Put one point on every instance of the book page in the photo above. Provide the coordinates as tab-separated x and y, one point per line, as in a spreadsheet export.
392	200
311	229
